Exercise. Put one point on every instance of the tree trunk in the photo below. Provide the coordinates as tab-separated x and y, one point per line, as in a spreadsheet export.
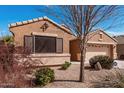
82	60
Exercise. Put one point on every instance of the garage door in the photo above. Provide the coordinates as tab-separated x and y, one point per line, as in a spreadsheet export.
94	50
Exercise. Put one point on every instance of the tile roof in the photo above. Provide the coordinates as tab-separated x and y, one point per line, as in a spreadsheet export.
36	20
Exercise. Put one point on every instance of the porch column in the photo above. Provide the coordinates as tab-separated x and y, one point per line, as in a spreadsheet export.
114	51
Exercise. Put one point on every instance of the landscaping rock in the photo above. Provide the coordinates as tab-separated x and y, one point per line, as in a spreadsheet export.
98	66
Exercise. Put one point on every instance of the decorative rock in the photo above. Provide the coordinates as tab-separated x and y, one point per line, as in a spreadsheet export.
98	66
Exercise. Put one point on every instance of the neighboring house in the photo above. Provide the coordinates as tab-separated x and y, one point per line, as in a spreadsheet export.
99	43
120	46
47	40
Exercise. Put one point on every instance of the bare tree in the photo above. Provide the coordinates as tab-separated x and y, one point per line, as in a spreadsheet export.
81	20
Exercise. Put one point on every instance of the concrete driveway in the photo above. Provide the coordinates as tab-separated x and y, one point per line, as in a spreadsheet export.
120	64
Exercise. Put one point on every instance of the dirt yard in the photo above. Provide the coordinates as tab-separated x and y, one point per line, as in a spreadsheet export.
69	78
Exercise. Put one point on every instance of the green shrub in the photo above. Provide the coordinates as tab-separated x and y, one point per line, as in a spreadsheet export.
66	65
105	61
44	76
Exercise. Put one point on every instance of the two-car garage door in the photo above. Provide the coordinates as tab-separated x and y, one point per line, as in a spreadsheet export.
94	50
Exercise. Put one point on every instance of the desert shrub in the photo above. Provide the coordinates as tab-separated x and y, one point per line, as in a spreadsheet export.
8	39
44	76
12	71
105	61
120	80
112	80
66	65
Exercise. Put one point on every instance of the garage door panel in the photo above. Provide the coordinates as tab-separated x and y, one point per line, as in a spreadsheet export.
94	50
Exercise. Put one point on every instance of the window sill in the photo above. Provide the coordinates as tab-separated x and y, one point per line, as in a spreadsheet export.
50	55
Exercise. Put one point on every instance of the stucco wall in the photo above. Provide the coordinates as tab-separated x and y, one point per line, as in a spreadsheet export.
105	46
95	37
46	59
27	29
50	59
114	51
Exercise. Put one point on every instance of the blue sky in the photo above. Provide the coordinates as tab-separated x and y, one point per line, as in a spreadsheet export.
12	14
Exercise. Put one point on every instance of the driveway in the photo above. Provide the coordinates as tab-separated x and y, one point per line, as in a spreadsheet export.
120	64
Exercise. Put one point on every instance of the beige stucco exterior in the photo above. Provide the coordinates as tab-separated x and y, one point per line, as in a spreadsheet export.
28	29
99	42
50	59
96	46
33	27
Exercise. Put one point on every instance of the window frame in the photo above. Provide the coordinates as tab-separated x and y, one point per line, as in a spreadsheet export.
46	37
33	43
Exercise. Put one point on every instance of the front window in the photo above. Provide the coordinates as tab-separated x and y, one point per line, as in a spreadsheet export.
46	44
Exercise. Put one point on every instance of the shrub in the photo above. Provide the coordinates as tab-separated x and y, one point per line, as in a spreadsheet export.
66	65
44	76
13	72
105	61
8	39
113	80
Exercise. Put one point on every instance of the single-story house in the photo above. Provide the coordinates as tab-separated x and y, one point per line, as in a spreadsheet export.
120	46
99	43
47	40
54	44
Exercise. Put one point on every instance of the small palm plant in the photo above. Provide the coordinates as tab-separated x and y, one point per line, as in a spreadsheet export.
8	39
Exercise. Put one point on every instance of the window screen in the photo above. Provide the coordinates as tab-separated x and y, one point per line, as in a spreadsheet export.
59	45
45	44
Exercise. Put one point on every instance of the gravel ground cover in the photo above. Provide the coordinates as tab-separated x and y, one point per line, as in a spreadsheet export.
69	78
